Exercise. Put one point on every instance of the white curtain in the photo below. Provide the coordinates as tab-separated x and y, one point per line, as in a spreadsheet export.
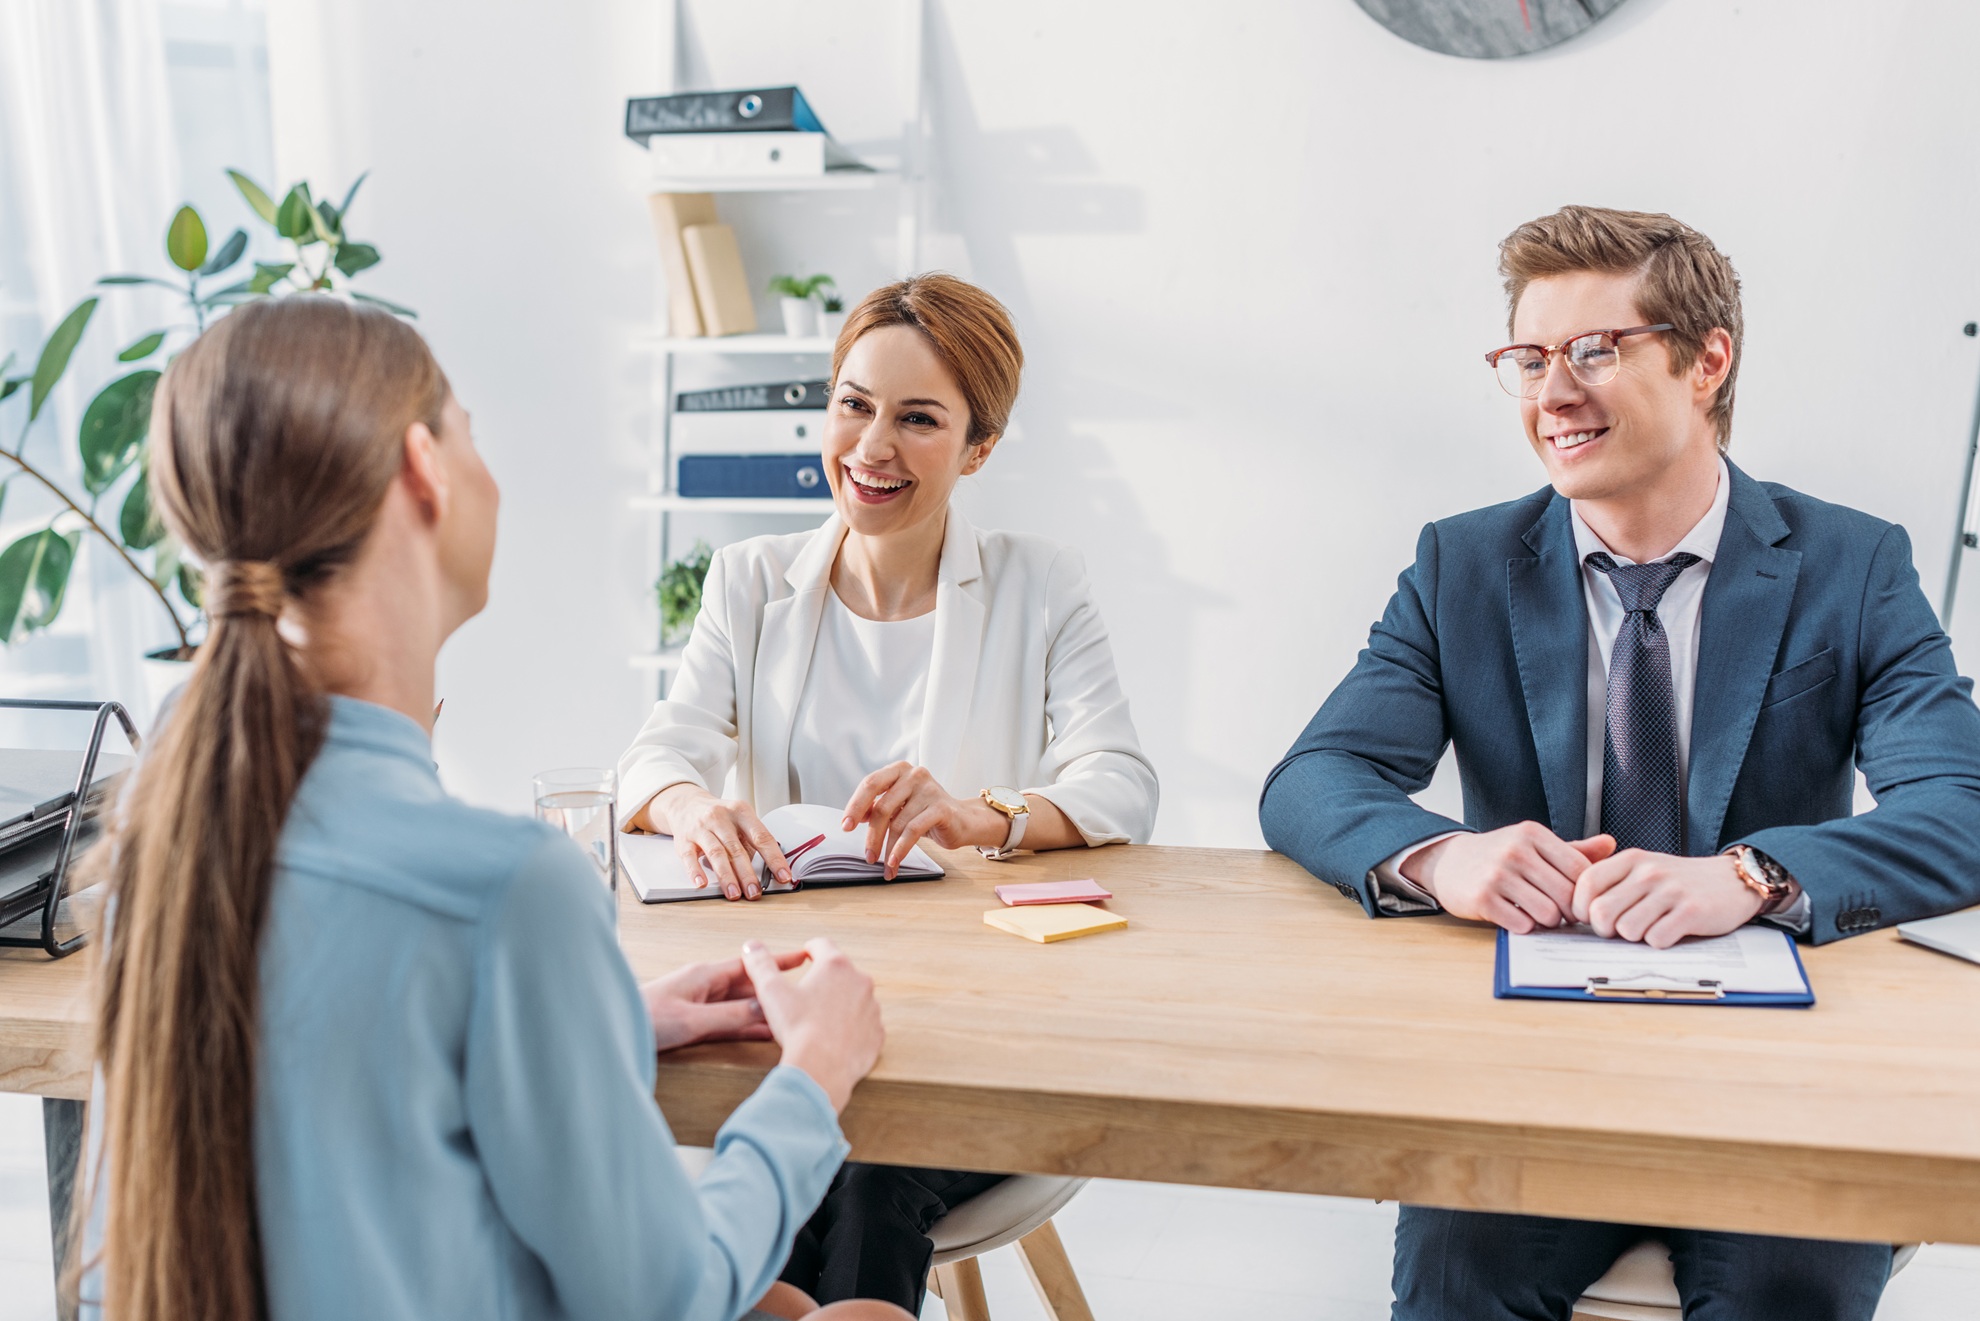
88	180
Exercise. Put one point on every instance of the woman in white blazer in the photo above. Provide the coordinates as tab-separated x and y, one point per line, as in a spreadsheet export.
940	681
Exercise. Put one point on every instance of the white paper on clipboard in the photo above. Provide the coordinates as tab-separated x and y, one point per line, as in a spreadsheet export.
1754	959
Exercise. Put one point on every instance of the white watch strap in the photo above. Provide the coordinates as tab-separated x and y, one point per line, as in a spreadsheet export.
1018	820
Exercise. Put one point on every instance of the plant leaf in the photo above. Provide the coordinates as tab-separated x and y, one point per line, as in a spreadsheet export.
11	384
165	560
6	362
34	574
113	429
137	524
144	348
185	239
143	279
388	305
263	205
292	218
230	252
267	276
192	585
344	207
55	354
329	216
325	226
355	257
232	298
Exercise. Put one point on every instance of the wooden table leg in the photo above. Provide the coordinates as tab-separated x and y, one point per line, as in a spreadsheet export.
961	1290
1051	1273
61	1131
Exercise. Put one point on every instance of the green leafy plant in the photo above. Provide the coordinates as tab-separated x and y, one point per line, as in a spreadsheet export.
679	590
834	303
790	286
35	569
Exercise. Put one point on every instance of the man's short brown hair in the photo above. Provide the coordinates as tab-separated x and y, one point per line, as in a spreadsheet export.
1681	278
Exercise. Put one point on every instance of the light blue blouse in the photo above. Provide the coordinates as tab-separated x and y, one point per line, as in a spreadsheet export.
455	1112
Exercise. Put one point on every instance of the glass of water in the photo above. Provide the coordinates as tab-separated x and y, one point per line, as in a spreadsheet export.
582	801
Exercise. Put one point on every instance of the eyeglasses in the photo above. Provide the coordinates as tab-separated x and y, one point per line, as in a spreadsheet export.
1593	357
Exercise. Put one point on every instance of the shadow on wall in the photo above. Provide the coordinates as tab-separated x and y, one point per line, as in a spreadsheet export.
1057	476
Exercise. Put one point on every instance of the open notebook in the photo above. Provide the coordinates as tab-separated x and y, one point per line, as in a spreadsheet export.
820	854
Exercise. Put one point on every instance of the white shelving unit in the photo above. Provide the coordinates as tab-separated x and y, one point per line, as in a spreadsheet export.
835	181
668	503
662	500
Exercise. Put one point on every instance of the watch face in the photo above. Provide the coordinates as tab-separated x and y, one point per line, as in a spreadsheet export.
1008	799
1487	29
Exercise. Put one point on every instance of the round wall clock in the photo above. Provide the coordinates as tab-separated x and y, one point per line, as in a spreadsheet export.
1487	29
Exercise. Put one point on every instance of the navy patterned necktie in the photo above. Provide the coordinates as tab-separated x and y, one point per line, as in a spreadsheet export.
1642	790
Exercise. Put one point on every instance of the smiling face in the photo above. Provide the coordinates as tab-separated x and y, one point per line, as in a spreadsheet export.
1605	442
896	433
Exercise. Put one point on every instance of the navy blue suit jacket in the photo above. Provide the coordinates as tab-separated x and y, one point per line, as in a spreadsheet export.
1815	644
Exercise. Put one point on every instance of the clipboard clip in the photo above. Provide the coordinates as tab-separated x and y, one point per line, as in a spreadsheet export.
1655	986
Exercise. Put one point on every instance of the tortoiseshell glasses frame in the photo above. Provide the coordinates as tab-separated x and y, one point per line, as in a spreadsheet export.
1593	356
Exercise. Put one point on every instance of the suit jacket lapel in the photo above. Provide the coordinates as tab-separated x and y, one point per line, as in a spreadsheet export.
960	613
1740	624
784	644
1550	642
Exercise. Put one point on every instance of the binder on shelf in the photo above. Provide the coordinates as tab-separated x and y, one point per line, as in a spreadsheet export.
721	289
755	476
746	110
784	155
746	433
740	398
673	213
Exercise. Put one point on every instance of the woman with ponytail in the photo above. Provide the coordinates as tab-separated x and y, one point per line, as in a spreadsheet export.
366	1051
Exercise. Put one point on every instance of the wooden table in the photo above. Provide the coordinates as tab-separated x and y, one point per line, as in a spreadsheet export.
1252	1029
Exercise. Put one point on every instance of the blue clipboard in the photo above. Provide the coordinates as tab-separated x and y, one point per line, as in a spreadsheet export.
1503	989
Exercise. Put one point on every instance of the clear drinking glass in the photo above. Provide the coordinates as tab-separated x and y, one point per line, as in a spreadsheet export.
582	801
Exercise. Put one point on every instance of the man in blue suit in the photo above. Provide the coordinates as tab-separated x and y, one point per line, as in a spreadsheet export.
1656	672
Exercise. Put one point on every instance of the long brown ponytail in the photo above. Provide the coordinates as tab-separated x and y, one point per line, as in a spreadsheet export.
275	438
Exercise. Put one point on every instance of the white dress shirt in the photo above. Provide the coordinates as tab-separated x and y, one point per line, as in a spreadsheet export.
1678	612
862	702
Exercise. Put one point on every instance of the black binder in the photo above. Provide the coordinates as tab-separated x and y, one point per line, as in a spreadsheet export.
49	808
750	398
748	110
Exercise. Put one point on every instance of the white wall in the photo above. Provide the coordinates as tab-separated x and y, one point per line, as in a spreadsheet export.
1250	247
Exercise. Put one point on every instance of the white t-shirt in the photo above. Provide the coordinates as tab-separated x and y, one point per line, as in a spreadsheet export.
862	702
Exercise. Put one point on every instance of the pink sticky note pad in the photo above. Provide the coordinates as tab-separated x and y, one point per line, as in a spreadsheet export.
1051	892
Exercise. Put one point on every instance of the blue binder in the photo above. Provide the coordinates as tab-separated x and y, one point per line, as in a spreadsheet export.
1503	989
781	476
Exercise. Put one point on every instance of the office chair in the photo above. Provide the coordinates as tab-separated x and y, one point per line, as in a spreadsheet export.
1019	1210
1641	1286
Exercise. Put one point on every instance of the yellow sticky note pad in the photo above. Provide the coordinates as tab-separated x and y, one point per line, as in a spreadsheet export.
1045	923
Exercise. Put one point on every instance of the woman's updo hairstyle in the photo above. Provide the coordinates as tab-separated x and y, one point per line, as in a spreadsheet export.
970	331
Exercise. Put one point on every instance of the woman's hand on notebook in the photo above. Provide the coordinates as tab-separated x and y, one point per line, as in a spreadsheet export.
709	1002
828	1022
719	840
903	803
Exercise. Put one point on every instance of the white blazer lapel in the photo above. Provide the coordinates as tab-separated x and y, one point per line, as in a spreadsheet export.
959	619
783	659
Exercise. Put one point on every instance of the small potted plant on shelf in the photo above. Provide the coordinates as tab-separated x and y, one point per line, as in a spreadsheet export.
679	590
832	317
35	569
797	299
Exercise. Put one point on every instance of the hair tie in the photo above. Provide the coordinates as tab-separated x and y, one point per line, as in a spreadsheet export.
246	587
